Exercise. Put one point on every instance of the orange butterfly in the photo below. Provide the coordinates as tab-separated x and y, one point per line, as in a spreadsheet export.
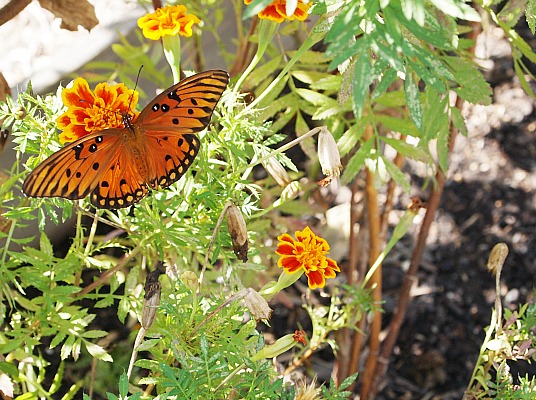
117	165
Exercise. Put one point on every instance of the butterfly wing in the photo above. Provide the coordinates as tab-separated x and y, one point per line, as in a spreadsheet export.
171	120
121	183
74	171
116	165
187	106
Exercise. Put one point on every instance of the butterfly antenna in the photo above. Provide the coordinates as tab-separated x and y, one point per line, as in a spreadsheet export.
135	86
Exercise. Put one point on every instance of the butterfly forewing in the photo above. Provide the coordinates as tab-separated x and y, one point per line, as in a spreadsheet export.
74	171
117	165
187	106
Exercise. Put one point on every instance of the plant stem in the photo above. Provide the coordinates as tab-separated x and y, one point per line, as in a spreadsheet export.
375	278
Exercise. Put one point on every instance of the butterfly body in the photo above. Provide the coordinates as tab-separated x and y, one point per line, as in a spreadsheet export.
117	166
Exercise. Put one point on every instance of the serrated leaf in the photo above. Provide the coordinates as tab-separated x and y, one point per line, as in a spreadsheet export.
457	9
397	175
356	162
406	149
317	99
402	126
97	351
123	385
458	121
473	87
361	83
530	15
330	83
351	137
413	100
148	344
264	71
387	79
94	334
308	77
443	149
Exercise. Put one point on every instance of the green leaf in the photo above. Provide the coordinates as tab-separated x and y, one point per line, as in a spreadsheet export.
403	126
356	162
457	9
351	137
519	66
317	99
406	149
361	83
473	87
443	149
414	9
530	15
413	100
123	385
397	175
94	334
348	381
458	121
387	79
97	351
148	344
435	115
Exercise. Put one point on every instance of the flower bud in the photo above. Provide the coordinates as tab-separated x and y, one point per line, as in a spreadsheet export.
282	344
291	191
277	171
238	232
190	280
19	112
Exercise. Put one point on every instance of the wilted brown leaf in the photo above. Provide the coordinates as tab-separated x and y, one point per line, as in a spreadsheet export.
72	13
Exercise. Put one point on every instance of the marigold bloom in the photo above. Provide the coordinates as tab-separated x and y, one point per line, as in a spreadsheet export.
307	252
89	112
167	21
277	11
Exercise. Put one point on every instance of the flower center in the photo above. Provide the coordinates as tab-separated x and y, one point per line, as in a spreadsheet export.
100	118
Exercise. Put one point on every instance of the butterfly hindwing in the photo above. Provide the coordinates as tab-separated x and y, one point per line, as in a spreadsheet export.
121	183
74	171
176	152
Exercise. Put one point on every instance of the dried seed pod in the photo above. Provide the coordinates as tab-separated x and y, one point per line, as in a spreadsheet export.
328	156
257	305
151	299
238	232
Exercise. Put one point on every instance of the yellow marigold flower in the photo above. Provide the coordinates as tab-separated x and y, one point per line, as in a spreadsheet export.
307	252
89	112
277	11
167	21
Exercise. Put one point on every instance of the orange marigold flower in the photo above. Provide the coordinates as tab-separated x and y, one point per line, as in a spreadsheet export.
277	11
89	112
167	21
307	252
